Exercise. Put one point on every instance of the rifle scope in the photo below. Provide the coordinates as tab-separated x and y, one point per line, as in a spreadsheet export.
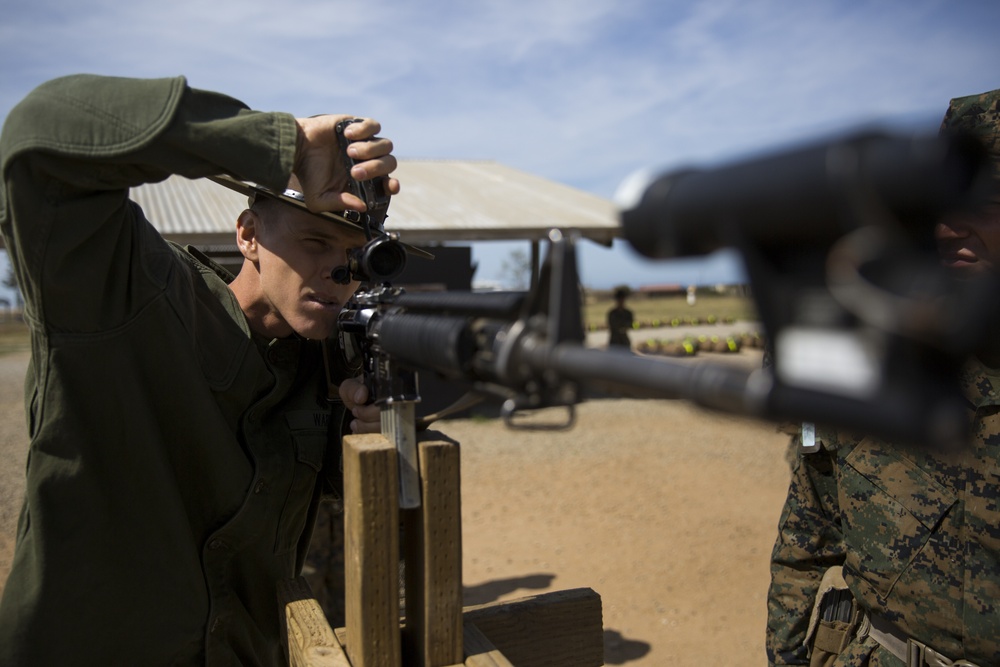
808	195
378	261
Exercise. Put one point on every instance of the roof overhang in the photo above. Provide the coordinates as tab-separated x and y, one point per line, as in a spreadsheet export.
440	201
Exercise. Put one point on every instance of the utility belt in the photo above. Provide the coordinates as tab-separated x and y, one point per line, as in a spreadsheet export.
913	653
837	620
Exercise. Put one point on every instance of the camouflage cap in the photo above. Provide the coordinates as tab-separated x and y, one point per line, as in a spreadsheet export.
978	115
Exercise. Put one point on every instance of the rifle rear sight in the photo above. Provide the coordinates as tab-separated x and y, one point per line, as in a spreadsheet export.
383	257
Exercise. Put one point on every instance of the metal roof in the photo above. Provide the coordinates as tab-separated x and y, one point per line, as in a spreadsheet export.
198	211
441	200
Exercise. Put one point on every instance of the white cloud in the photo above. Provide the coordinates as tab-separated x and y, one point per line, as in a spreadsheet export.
580	92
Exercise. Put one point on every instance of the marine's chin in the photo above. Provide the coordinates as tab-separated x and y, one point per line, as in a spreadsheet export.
963	266
314	328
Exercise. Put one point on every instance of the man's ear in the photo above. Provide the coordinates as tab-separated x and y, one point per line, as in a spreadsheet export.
247	228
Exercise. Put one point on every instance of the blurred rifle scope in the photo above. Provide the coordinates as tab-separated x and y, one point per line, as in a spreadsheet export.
812	194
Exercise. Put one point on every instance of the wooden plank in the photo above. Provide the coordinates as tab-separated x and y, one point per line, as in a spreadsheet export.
311	641
371	551
432	547
480	652
560	629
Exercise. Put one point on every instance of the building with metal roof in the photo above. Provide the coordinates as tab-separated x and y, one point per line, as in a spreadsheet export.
441	200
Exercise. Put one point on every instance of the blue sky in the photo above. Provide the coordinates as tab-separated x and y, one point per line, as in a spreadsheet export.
580	92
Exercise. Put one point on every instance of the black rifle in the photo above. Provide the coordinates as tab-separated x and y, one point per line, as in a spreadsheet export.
868	331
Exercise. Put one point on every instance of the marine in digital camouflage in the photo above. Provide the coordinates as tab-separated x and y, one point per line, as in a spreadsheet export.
916	531
918	534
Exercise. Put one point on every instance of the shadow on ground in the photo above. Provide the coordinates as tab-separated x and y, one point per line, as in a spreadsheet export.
490	591
618	650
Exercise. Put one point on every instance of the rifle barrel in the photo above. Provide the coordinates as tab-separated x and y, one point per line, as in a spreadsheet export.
719	386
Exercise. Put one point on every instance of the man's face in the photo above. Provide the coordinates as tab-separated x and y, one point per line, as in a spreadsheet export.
969	243
297	253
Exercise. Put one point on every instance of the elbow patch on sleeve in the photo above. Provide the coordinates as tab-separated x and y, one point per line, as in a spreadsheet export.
129	114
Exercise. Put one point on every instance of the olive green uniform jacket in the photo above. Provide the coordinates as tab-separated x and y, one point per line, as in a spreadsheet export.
174	456
917	533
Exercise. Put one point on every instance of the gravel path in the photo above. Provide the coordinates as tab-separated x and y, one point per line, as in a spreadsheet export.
13	450
667	511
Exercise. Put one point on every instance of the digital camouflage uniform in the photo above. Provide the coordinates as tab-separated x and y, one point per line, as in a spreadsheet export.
916	532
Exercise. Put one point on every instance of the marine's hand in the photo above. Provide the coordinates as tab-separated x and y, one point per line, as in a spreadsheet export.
354	394
318	164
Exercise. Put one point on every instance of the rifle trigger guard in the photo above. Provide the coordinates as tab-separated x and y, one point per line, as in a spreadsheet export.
510	409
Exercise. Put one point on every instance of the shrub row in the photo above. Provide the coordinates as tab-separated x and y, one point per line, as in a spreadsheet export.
673	322
691	345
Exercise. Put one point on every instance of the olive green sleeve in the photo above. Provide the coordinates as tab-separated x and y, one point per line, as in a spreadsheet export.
157	127
85	257
809	542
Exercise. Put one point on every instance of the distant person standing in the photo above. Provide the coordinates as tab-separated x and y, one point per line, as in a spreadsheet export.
620	320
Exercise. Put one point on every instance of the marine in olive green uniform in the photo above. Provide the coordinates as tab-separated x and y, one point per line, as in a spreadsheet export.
177	452
917	533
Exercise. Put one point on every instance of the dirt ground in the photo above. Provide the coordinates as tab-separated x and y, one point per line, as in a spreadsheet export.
666	510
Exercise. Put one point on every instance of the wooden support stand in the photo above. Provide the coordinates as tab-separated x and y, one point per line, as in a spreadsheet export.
562	629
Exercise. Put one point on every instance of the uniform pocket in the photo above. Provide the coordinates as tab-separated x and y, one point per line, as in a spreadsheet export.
310	446
890	508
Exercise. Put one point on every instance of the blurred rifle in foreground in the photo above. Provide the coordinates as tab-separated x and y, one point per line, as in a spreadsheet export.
868	331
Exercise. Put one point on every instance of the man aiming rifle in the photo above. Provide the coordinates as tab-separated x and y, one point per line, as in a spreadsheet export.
181	426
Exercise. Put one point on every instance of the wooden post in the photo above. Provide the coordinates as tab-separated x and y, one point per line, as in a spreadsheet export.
481	652
559	629
432	546
371	551
562	629
311	640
